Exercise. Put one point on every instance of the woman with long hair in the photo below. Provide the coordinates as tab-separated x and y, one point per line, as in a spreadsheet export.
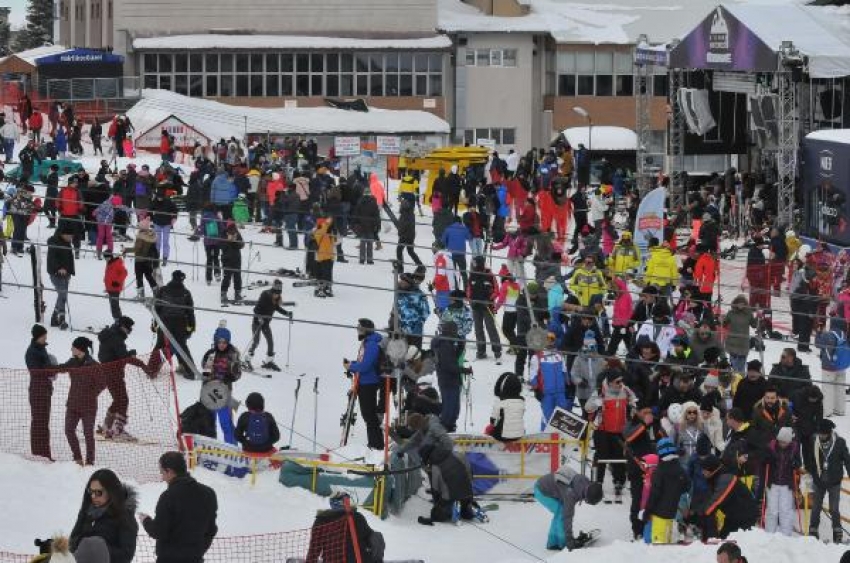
108	514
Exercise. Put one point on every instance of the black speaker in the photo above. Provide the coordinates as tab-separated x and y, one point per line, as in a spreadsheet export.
831	103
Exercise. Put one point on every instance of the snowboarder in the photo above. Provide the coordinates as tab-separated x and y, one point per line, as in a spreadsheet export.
267	305
222	363
257	429
559	493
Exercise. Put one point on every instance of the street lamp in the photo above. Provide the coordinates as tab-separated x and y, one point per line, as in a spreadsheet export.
585	114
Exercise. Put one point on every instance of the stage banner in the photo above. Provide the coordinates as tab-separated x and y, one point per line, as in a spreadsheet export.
649	221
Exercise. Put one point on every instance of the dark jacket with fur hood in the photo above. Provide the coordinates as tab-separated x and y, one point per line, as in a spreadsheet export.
119	531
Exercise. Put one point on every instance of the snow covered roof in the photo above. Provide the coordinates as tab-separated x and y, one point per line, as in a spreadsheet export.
222	41
29	56
602	138
217	120
835	135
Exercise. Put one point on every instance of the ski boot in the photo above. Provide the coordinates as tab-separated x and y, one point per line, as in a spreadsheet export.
105	430
63	325
140	294
328	291
224	299
246	362
237	299
77	254
837	535
54	319
119	434
319	292
618	493
499	359
217	278
270	365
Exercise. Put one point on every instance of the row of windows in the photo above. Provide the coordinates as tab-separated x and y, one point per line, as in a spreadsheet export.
501	135
296	74
80	11
600	74
491	57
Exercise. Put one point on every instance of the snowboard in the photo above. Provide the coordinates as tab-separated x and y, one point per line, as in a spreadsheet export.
256	285
305	283
287	273
587	539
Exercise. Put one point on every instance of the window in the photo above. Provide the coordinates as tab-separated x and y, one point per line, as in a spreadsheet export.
196	63
181	62
594	73
501	135
491	57
660	86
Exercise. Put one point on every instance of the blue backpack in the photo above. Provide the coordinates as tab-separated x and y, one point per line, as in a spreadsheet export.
841	354
257	433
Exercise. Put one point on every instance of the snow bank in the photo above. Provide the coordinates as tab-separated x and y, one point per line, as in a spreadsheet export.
834	135
208	41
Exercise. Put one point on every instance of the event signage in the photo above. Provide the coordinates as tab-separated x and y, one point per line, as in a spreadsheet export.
347	146
388	145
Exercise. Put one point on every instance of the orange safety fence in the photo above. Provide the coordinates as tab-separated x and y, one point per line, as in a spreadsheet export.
64	414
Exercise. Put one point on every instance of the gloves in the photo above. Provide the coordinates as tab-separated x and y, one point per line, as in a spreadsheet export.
287	314
430	287
131	352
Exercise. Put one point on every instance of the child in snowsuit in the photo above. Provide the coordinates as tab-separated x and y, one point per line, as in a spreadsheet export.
559	493
669	483
257	429
222	362
648	464
783	459
549	382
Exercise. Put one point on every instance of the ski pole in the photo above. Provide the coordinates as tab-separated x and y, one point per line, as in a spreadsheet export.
797	491
315	411
294	408
764	494
288	342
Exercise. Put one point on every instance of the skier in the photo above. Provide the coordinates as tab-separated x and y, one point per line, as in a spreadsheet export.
447	356
509	293
81	406
231	262
669	483
548	380
368	382
257	429
222	363
211	228
113	280
783	458
267	305
826	465
38	361
112	349
60	268
176	309
559	493
366	221
482	291
454	240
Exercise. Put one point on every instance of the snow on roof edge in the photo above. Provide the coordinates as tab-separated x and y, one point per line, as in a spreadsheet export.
223	41
832	135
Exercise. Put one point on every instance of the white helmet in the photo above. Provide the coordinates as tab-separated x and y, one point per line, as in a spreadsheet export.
803	251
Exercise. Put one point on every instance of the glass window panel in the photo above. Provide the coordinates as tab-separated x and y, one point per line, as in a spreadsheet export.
435	85
584	63
566	84
227	85
317	62
150	63
585	85
196	63
482	134
242	86
495	57
625	85
211	62
257	63
151	81
421	84
405	61
286	85
346	62
659	85
482	57
257	85
405	87
332	62
604	85
241	63
362	62
604	63
302	62
377	85
181	62
508	136
165	81
391	62
623	63
212	86
376	62
470	57
302	85
566	62
496	135
272	62
509	57
362	85
227	62
435	62
346	85
272	84
420	62
196	85
391	86
286	62
165	63
469	136
332	84
316	85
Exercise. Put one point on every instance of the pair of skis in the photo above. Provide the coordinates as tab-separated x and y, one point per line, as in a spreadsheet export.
349	417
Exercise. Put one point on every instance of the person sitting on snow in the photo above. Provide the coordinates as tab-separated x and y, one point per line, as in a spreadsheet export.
256	430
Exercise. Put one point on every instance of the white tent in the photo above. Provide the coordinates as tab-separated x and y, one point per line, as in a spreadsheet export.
602	138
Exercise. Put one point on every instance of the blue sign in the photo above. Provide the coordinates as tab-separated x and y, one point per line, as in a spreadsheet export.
77	56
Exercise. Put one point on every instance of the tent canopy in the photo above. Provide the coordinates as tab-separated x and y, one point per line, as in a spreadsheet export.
602	138
747	37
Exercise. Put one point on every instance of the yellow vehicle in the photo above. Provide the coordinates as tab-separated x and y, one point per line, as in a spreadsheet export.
444	158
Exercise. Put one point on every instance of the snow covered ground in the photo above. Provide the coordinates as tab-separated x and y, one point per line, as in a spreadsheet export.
41	499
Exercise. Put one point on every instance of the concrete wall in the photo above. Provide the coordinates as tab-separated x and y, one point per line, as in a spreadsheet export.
93	30
503	97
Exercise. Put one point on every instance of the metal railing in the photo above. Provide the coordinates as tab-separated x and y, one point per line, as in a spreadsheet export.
85	89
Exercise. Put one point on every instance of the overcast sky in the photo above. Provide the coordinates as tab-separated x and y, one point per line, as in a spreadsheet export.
19	11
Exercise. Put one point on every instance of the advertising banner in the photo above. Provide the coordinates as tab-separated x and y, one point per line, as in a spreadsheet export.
649	221
347	146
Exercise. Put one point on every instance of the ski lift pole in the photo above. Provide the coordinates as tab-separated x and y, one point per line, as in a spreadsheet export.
315	411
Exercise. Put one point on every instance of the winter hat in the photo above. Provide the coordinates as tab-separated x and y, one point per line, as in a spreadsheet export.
679	339
825	426
277	286
366	324
178	276
675	412
785	435
754	365
711	464
707	402
711	380
116	200
612	375
255	402
666	447
593	494
504	272
126	322
338	500
704	446
82	344
221	333
38	331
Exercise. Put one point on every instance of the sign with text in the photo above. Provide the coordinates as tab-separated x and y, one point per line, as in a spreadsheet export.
388	145
347	146
567	423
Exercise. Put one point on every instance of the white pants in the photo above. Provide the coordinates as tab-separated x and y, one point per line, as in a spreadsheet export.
780	510
833	392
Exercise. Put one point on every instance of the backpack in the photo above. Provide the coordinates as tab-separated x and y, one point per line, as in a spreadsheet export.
211	229
841	354
257	433
376	547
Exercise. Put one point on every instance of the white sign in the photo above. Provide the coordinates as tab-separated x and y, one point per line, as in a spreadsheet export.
489	144
429	103
388	145
347	146
290	104
184	135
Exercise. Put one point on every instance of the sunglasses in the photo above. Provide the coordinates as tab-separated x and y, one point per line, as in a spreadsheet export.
97	493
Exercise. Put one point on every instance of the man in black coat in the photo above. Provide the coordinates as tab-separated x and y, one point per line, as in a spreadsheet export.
176	308
406	234
807	412
184	524
731	496
267	305
113	351
446	353
790	372
827	465
40	392
745	452
60	268
481	291
750	390
580	209
366	221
